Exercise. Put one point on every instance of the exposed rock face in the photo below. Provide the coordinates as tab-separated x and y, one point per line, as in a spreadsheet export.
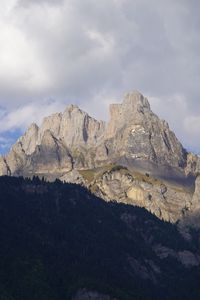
193	215
4	168
196	196
128	112
193	164
136	132
133	132
166	201
187	258
29	139
69	142
51	156
90	295
55	146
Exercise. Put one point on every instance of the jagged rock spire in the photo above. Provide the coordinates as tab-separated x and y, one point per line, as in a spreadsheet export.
133	131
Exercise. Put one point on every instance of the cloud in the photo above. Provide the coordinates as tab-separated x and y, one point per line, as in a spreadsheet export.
191	129
91	52
180	118
22	117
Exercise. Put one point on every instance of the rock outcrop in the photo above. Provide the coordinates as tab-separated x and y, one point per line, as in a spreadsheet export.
60	142
137	133
84	294
193	164
192	217
166	200
72	142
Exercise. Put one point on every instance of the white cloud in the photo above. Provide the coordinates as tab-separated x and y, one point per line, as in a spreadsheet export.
91	52
22	117
191	125
173	109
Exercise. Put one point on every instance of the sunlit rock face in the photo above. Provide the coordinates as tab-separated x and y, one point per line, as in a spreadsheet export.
136	132
133	131
70	142
167	201
56	145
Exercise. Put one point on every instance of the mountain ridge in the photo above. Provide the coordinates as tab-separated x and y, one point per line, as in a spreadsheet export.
71	144
129	121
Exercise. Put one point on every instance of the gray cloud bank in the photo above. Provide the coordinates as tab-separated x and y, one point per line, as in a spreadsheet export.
90	52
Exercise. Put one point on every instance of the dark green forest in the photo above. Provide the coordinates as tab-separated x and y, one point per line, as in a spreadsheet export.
56	238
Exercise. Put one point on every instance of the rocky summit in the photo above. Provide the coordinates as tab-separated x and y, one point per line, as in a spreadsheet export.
134	158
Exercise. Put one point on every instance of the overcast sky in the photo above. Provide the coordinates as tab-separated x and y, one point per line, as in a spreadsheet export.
89	52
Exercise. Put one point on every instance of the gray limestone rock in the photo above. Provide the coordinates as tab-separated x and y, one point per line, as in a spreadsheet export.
137	133
70	142
189	259
168	202
51	156
193	164
192	215
84	294
133	131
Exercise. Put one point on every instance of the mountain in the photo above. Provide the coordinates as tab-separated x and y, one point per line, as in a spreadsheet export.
134	158
133	132
59	241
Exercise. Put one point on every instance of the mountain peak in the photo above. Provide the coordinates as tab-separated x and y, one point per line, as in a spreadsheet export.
136	101
72	107
71	145
133	131
33	126
134	110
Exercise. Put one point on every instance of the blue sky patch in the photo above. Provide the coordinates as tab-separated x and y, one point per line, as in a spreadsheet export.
7	139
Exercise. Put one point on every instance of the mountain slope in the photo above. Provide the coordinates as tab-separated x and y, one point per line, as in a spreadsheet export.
58	241
133	132
71	145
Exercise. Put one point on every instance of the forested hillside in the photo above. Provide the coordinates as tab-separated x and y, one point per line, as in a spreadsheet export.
57	238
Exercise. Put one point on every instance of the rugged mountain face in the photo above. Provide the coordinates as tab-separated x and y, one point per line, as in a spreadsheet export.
137	133
167	201
72	146
54	147
133	132
193	164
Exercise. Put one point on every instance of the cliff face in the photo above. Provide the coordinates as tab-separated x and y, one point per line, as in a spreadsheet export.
167	201
55	146
137	133
133	131
70	142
